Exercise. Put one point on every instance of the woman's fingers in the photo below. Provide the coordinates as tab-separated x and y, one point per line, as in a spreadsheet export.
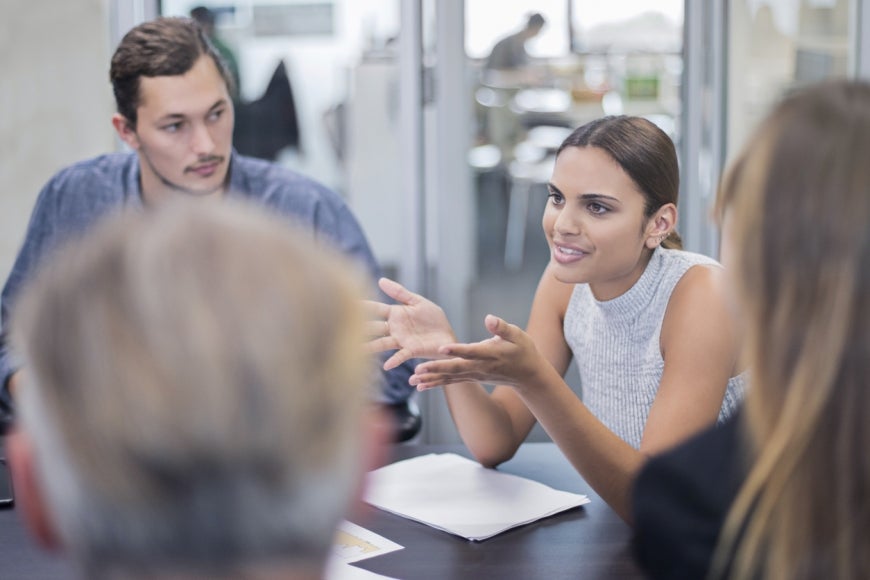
377	328
503	329
454	368
398	358
430	380
374	309
471	351
398	292
382	344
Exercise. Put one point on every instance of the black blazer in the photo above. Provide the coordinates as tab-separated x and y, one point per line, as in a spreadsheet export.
681	499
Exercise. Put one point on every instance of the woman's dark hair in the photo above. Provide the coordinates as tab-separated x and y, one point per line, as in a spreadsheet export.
161	47
644	152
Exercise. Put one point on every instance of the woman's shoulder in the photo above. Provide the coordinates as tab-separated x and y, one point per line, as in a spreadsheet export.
682	282
681	498
697	310
684	259
693	278
697	466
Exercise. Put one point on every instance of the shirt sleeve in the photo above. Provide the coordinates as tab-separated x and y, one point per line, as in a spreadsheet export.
41	231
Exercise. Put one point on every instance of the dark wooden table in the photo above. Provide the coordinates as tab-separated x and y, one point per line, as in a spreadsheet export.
589	542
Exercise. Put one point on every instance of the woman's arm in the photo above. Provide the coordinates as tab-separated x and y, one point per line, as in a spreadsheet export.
699	349
606	462
493	426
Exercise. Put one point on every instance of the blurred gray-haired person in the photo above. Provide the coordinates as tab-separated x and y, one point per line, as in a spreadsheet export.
196	398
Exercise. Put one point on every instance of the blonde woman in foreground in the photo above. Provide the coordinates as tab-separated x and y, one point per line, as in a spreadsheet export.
782	492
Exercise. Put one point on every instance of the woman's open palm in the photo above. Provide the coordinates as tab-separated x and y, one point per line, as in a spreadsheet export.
414	328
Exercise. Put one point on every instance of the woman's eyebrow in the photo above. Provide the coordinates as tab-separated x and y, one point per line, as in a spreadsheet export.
600	197
587	196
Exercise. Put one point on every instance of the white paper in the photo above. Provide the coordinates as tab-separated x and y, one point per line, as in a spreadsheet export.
352	544
336	570
458	495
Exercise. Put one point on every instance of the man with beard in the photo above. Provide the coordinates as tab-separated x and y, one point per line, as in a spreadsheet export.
174	110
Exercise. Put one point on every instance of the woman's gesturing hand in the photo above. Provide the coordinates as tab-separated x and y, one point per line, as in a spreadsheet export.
415	327
510	357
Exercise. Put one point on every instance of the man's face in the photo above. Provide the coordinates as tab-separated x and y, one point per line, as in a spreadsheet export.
183	134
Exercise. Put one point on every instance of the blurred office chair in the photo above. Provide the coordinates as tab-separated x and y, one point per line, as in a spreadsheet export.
406	418
531	168
491	185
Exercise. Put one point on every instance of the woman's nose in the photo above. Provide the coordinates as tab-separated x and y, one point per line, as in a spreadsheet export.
567	223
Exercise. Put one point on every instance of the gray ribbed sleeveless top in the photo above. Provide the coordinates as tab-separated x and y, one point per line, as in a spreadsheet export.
617	348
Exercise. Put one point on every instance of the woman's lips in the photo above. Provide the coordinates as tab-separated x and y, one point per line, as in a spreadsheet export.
568	254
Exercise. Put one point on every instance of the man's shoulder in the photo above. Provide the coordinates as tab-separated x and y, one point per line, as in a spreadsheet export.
275	184
99	176
106	164
82	192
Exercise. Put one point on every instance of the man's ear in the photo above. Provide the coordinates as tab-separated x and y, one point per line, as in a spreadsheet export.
126	131
377	430
29	498
662	223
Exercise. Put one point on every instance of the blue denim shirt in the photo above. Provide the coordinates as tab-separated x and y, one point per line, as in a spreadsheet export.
80	195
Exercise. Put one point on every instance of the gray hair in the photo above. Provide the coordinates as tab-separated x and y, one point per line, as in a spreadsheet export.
194	391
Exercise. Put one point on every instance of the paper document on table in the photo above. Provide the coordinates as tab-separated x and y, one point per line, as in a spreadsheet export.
352	544
458	495
336	570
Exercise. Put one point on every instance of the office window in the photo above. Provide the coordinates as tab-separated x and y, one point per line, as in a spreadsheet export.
775	46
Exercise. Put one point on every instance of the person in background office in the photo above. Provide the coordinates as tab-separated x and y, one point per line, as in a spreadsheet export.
175	112
267	125
647	323
206	19
781	490
193	407
509	53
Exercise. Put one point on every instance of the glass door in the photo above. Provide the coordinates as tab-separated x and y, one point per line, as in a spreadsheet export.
775	46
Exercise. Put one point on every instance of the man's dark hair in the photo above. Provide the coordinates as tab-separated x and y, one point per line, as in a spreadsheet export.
161	47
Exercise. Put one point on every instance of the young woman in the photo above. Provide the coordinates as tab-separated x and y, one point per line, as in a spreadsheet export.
792	473
648	326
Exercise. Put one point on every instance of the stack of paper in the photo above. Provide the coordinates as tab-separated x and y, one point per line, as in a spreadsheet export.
457	495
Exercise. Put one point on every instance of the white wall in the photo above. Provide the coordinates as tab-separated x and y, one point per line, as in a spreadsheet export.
55	101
